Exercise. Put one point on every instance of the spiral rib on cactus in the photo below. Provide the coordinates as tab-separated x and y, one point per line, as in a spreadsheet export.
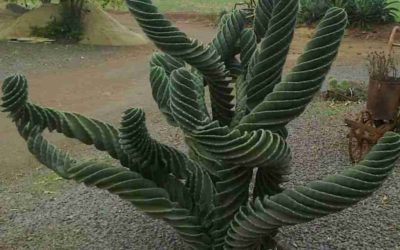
316	199
241	100
268	182
141	192
263	14
160	83
205	58
248	45
89	131
229	34
161	67
167	62
290	97
222	20
273	51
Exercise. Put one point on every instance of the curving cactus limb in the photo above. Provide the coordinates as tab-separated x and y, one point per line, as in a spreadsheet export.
316	199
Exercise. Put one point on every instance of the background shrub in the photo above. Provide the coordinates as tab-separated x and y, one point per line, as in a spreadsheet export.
312	11
68	28
361	13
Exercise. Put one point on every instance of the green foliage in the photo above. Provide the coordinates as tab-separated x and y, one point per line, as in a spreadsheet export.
113	4
365	12
361	13
312	11
68	28
346	90
205	195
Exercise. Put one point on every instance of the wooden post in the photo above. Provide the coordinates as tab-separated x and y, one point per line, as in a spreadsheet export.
392	39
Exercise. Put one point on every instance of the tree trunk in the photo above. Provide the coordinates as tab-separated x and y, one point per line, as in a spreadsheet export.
74	7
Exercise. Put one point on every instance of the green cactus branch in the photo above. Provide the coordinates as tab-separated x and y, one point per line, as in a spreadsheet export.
229	34
203	57
143	159
290	97
273	51
316	199
128	185
263	14
89	131
150	158
205	195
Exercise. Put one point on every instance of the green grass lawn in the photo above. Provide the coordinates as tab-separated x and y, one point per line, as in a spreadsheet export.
203	6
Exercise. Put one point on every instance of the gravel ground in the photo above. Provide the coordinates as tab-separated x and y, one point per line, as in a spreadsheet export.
319	143
82	218
75	217
22	58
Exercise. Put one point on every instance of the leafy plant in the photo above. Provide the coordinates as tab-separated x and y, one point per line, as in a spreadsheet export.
312	11
113	4
365	12
340	3
361	13
67	28
205	195
345	90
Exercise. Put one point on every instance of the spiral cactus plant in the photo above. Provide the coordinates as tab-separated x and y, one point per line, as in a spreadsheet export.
206	195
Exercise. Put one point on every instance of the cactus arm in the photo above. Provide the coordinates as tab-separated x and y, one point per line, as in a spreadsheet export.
167	62
128	185
161	66
166	166
88	131
291	96
248	44
263	13
105	137
316	199
222	19
228	35
160	83
202	57
273	51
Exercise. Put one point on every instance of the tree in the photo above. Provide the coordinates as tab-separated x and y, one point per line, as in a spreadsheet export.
71	21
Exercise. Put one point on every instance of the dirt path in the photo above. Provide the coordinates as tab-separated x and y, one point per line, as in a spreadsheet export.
101	83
